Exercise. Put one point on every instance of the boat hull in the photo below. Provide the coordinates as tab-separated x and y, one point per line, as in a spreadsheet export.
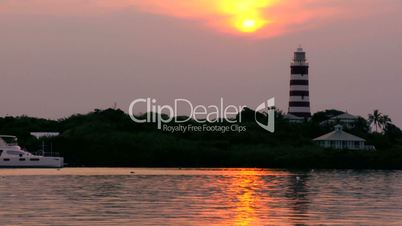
32	162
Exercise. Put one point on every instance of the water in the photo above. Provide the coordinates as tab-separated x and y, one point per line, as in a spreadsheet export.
94	196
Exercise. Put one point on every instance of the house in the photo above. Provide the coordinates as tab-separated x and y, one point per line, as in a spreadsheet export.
345	119
341	140
294	119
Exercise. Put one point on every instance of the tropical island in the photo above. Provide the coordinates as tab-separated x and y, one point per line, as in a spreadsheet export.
108	138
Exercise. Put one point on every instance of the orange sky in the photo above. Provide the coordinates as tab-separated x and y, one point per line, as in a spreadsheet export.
256	18
269	17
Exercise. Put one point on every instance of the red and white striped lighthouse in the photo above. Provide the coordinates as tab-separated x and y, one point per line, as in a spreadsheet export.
299	101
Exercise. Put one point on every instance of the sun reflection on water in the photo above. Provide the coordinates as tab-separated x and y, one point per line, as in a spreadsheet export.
246	199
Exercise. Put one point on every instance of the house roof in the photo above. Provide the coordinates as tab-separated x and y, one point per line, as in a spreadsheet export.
293	117
342	117
345	116
39	135
339	135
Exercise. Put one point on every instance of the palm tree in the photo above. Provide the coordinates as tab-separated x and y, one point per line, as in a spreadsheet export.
379	120
384	121
375	119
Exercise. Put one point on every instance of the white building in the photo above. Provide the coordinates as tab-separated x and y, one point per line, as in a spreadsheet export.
341	140
345	119
294	119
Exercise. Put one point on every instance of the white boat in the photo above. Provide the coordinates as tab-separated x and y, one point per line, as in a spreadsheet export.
12	156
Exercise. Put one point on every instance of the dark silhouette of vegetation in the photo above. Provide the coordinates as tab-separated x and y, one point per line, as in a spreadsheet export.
379	120
110	138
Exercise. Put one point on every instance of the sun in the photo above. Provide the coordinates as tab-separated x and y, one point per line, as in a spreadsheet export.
246	16
249	25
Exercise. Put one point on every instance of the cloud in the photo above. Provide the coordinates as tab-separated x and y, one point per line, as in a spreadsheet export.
263	18
255	18
273	17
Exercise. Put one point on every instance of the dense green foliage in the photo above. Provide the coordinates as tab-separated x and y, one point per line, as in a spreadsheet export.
110	138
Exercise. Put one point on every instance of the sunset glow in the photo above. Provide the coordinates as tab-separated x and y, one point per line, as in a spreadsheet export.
249	25
247	15
251	18
254	18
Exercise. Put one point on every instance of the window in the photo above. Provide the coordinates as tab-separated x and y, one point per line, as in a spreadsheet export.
6	160
35	160
1	152
15	153
11	141
357	144
22	159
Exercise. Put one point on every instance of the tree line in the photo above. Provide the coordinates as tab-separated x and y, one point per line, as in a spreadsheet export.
110	138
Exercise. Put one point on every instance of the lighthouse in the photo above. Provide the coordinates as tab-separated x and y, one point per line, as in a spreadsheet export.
299	100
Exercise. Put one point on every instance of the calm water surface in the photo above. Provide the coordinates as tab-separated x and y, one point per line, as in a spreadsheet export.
103	196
